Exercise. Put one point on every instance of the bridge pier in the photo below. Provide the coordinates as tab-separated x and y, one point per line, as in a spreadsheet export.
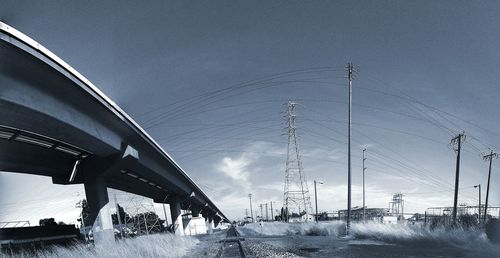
209	225
176	214
97	199
195	212
217	220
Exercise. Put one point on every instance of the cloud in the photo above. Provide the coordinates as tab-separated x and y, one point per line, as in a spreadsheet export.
236	169
241	167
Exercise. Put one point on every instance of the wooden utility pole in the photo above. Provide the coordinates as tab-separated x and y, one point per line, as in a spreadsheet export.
457	140
489	158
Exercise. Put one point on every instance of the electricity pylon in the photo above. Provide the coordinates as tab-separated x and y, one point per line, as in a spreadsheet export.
296	192
142	215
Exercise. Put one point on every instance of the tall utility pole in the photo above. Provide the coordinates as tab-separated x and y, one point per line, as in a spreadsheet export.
267	217
479	207
364	169
348	225
457	140
489	158
272	215
316	197
316	201
251	211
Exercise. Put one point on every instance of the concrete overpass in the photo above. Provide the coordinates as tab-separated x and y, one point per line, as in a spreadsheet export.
54	122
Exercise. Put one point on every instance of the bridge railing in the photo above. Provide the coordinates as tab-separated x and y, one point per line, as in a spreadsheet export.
14	224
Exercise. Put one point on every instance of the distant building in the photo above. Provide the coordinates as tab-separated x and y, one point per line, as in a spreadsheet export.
443	215
390	220
382	215
296	218
464	209
372	214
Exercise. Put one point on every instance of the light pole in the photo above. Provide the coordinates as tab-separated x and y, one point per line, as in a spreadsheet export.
316	198
251	211
364	169
479	207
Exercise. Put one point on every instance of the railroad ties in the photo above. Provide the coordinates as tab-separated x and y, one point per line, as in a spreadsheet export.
231	245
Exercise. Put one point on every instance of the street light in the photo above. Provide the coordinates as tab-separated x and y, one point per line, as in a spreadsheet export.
316	198
479	207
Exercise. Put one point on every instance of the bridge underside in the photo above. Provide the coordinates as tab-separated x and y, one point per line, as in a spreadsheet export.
54	124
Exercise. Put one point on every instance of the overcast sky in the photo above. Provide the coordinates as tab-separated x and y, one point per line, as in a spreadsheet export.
426	70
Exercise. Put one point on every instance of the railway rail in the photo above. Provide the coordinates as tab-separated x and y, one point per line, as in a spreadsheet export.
231	245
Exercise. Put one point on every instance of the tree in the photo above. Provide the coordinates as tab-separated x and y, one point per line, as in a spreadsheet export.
323	216
85	213
47	222
283	214
123	216
468	221
151	219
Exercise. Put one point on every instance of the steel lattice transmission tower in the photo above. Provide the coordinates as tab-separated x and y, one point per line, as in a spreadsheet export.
397	206
297	201
142	218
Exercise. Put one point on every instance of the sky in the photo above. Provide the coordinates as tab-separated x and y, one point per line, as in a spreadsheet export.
209	80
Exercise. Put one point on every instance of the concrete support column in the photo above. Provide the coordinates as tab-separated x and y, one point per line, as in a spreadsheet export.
195	211
176	214
217	220
209	225
97	199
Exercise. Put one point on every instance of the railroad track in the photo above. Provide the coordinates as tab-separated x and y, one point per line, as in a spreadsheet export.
231	245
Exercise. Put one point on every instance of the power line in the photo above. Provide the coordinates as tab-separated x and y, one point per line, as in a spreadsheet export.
210	98
242	84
